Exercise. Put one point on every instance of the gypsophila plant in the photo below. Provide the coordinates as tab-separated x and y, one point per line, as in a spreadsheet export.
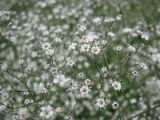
79	60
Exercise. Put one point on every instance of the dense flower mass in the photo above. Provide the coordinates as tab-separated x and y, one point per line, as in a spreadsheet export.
79	60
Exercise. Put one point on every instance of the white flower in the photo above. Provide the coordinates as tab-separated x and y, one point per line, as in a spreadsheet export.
82	28
85	48
49	52
133	101
32	66
143	66
104	42
111	34
97	20
61	80
116	85
22	113
135	73
115	105
90	37
46	46
100	103
46	112
156	57
127	30
119	17
72	46
88	82
4	15
4	66
134	34
2	108
58	40
72	85
145	36
83	19
39	87
95	50
104	69
109	20
34	54
59	110
46	66
119	48
4	96
70	62
86	64
84	91
68	118
131	48
28	101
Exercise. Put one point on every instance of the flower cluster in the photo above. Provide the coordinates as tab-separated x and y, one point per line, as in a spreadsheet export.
86	59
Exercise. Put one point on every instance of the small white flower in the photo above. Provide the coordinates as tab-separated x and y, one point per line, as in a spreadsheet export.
27	101
95	50
135	73
116	85
127	30
90	37
156	57
115	105
88	82
68	118
104	69
134	34
58	40
109	20
83	19
111	34
61	80
97	20
145	36
49	52
100	103
119	17
86	64
2	108
46	66
133	101
46	46
143	66
59	110
72	46
34	54
22	113
85	48
70	62
104	42
131	48
82	28
119	48
84	91
46	112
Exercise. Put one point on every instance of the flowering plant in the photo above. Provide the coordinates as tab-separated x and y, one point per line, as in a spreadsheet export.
79	60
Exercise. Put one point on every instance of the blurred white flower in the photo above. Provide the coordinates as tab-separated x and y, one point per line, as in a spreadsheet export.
131	48
95	50
84	91
115	105
46	112
116	85
97	20
100	102
61	80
